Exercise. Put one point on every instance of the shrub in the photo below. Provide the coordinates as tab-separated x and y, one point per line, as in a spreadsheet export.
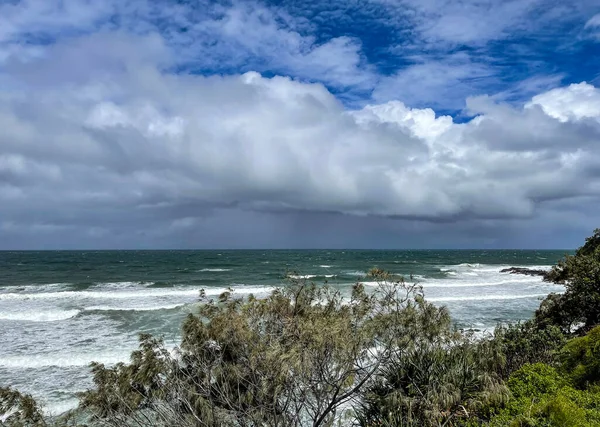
580	358
542	397
527	343
439	378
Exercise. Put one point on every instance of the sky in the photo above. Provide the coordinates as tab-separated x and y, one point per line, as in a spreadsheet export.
148	124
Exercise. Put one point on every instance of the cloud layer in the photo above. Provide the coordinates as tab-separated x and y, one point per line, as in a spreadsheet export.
242	125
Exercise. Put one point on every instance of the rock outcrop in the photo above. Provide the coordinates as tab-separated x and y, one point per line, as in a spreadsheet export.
525	271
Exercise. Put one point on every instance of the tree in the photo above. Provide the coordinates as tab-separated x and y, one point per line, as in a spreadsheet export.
300	356
578	309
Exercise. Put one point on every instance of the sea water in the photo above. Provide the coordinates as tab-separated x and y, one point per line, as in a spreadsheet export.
59	311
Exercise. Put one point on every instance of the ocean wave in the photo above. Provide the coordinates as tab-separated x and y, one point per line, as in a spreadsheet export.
215	270
485	298
121	285
239	288
142	293
453	283
40	316
490	267
66	359
310	276
355	273
142	308
33	288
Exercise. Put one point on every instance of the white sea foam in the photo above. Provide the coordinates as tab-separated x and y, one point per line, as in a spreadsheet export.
326	266
485	297
355	273
47	287
129	293
440	283
39	316
121	285
64	359
142	308
215	270
142	293
305	276
241	289
310	276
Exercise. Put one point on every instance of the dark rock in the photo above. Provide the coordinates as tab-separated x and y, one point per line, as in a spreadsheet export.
525	271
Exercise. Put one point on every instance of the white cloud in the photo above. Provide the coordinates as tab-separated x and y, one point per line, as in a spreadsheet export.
591	29
575	102
104	129
435	83
593	22
141	142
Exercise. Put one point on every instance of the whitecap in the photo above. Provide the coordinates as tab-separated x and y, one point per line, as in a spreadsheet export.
485	298
121	285
40	316
215	270
141	308
33	288
64	359
310	276
129	294
355	273
454	283
305	276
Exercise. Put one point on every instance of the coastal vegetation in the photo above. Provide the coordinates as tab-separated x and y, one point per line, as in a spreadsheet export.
312	355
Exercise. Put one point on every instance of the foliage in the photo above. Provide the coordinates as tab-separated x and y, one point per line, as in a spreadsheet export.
579	307
541	397
581	359
19	410
299	356
527	343
441	377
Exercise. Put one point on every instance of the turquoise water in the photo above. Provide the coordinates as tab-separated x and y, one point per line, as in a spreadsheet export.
61	310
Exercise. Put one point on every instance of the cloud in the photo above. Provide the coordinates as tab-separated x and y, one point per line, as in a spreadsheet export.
121	146
219	124
437	83
573	103
592	27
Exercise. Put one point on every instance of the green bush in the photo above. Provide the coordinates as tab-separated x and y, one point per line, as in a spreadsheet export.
527	343
542	397
580	358
443	378
535	381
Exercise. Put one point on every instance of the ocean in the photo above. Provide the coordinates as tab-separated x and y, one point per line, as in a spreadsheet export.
59	311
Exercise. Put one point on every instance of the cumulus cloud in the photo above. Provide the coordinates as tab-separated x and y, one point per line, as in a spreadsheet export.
123	143
153	124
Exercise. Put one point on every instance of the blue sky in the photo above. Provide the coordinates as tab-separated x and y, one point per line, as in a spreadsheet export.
372	123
